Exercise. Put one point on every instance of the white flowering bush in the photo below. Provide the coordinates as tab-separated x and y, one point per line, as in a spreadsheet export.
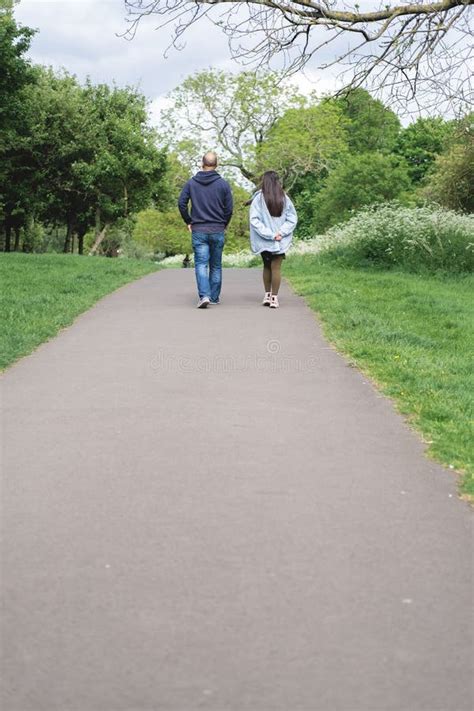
412	237
238	259
308	246
427	237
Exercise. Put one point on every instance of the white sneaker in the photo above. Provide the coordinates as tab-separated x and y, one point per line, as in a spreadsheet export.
204	302
267	298
274	302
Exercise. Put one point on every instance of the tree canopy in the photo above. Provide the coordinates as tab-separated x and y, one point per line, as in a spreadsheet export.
232	113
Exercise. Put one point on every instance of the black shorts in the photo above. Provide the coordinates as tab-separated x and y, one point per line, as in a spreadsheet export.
269	256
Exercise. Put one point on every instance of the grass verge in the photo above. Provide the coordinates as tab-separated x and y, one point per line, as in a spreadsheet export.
42	293
413	334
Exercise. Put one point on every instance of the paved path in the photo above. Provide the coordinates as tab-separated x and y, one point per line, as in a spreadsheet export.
211	510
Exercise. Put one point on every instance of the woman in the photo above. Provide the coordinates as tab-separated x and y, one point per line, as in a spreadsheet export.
272	221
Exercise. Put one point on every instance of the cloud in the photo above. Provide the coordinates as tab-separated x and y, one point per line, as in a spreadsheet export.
82	36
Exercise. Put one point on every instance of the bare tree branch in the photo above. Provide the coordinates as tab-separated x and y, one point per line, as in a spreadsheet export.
421	51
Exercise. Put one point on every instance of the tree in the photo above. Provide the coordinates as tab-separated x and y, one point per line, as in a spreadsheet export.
420	143
419	49
451	183
127	170
16	74
7	6
163	232
233	113
87	158
373	126
237	233
310	139
62	138
359	180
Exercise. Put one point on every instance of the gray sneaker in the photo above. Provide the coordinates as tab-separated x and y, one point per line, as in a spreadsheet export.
204	302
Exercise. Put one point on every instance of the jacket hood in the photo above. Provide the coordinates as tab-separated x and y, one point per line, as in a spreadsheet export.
206	177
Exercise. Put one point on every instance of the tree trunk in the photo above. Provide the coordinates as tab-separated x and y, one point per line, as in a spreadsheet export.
80	242
67	241
8	235
125	200
17	239
73	235
99	239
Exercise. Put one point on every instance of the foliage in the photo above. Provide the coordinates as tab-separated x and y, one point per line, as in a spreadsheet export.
16	71
304	194
163	232
419	238
358	181
237	233
83	156
7	6
43	293
420	143
174	177
15	76
231	113
306	140
451	183
373	126
413	334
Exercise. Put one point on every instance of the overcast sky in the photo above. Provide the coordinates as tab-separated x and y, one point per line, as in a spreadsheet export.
82	36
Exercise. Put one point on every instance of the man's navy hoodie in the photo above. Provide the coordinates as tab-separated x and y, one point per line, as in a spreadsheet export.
211	202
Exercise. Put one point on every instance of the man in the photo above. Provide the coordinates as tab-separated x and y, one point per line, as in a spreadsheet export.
211	210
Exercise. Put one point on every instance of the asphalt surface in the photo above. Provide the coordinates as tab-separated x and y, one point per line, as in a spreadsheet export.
212	510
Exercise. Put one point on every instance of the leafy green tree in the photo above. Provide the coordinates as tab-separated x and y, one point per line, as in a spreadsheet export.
420	143
175	175
127	169
62	138
360	180
451	182
307	140
16	73
232	113
163	232
373	127
87	157
237	233
305	144
7	6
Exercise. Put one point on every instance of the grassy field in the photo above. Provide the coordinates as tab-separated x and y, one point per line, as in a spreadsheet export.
42	293
413	335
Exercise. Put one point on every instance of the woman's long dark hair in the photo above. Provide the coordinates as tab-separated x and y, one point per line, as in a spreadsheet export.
273	193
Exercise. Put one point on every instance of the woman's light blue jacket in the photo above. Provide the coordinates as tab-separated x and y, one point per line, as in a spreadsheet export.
264	227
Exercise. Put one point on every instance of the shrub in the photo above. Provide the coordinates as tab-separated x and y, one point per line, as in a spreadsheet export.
360	180
413	238
451	183
162	232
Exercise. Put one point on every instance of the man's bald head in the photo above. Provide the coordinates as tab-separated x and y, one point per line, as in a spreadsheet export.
209	160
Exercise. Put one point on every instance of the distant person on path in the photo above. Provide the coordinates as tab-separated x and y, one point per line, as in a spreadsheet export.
272	221
211	210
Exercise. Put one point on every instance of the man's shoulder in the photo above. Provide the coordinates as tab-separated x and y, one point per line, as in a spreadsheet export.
223	182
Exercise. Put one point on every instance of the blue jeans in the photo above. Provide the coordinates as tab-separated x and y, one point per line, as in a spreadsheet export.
208	247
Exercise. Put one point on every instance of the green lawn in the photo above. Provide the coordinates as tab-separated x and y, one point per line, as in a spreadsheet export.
413	335
42	293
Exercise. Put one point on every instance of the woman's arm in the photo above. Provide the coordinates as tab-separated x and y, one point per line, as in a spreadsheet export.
291	219
257	223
